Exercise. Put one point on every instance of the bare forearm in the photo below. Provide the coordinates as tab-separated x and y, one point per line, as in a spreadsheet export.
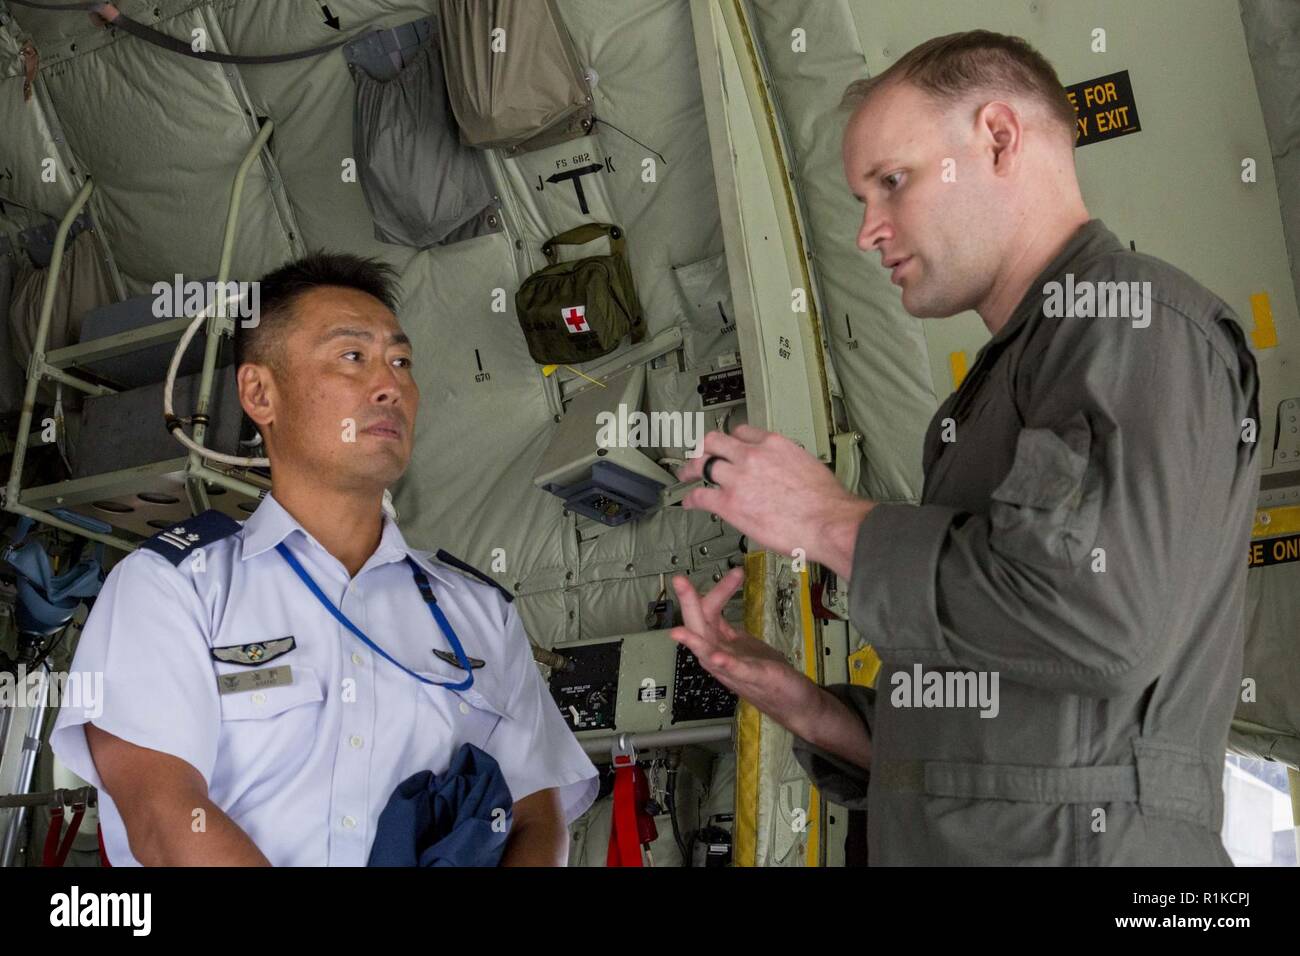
537	843
838	535
190	832
831	725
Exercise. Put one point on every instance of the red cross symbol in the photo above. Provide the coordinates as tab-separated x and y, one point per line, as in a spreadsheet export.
575	318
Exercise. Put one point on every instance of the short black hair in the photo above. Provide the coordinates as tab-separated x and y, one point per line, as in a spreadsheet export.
279	290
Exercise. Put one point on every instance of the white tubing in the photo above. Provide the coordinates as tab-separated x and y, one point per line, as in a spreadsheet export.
169	410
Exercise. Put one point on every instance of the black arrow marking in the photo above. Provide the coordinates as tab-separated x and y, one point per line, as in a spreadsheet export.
847	326
478	360
330	20
575	175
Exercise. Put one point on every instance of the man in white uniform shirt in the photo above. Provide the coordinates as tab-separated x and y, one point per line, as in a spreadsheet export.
244	723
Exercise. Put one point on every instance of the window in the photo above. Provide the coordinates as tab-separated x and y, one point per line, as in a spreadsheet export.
1257	821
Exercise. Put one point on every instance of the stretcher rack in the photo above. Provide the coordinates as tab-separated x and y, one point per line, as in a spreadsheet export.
61	797
52	504
58	844
605	746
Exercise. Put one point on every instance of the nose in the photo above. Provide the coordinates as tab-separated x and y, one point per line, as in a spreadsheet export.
387	387
875	229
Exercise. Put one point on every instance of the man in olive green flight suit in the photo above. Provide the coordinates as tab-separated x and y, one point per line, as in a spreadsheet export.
1060	619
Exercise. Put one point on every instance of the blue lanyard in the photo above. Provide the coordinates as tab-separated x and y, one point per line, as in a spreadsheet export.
426	592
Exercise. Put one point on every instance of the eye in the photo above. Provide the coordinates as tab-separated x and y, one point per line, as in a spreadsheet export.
404	361
356	352
892	181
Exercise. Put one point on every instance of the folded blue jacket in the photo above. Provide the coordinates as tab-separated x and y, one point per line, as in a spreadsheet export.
447	820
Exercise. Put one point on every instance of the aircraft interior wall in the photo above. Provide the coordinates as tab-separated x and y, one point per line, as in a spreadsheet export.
162	137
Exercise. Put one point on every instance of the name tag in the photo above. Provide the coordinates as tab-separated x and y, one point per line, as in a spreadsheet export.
255	680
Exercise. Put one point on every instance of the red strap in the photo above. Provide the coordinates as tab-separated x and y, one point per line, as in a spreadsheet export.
103	854
51	854
56	852
624	835
78	812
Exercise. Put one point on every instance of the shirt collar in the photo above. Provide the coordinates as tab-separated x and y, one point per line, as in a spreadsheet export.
1089	240
271	523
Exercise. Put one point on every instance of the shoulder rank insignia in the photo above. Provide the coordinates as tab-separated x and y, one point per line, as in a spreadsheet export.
253	654
180	539
457	563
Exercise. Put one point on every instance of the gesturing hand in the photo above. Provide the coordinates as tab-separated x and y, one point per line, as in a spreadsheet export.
742	663
777	494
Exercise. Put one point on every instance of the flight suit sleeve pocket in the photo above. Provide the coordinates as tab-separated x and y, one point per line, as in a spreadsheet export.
1045	511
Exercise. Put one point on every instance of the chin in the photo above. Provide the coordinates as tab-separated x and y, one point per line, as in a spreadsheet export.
391	474
918	307
921	307
385	469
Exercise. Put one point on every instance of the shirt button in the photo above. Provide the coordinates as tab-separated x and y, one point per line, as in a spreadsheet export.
259	698
464	707
356	741
349	823
356	658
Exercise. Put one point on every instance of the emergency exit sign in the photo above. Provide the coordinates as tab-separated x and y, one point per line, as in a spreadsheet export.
1104	108
1274	551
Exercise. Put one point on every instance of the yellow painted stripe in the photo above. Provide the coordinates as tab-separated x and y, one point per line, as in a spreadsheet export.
1283	520
957	365
809	630
749	728
1264	334
813	855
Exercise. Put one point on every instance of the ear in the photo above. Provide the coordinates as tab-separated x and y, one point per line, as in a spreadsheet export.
998	127
257	393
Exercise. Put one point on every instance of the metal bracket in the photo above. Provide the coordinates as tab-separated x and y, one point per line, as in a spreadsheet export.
785	596
601	369
1288	432
622	751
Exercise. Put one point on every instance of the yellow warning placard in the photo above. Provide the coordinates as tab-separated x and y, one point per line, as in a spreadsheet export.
1104	108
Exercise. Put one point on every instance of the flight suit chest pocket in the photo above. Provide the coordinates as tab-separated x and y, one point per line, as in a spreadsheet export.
1046	509
973	418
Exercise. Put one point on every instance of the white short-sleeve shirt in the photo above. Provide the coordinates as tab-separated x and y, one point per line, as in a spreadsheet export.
305	767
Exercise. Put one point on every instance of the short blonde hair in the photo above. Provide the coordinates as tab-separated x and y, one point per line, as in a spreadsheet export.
949	68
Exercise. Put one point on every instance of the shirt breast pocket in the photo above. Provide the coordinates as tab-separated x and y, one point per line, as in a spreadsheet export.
271	728
476	714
